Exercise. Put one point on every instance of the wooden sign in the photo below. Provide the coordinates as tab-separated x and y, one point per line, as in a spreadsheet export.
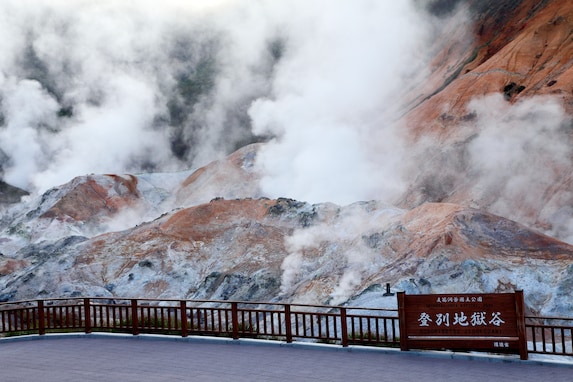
488	322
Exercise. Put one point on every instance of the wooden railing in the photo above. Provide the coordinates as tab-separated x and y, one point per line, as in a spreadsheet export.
239	319
549	335
235	319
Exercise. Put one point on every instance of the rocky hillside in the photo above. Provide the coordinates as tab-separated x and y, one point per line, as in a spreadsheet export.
245	248
487	207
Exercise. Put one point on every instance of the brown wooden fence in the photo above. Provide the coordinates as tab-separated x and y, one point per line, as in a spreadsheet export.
235	319
238	319
549	335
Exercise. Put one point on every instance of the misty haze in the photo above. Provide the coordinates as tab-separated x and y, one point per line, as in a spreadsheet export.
294	151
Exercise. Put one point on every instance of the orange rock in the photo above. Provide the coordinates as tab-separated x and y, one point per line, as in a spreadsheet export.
521	52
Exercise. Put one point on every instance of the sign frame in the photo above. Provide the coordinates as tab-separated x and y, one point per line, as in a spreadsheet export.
493	322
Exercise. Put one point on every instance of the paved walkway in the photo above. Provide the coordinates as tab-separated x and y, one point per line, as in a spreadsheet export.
143	358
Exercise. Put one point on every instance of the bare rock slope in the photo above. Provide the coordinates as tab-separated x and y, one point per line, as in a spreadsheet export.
285	250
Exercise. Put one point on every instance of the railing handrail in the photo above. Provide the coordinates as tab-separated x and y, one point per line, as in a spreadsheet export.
201	301
548	318
102	313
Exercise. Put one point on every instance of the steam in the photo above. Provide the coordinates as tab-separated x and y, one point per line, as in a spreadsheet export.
113	86
332	101
349	244
117	86
521	157
511	159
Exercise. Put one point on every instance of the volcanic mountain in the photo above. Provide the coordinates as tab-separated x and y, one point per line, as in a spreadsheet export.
487	207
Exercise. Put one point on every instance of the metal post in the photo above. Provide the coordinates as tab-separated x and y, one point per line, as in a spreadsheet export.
388	292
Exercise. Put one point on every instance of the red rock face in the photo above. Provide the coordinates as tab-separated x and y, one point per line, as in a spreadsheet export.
232	177
90	198
512	71
518	48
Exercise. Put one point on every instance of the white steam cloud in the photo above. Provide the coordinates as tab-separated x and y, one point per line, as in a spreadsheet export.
331	100
115	86
521	159
511	159
343	247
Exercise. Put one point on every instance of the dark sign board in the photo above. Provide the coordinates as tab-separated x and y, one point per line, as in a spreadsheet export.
487	322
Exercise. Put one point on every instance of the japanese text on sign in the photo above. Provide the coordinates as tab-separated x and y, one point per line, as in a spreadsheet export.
480	321
461	319
442	299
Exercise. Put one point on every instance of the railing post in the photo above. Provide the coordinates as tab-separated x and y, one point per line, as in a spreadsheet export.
235	320
183	317
288	325
87	316
522	334
402	321
134	318
343	328
41	318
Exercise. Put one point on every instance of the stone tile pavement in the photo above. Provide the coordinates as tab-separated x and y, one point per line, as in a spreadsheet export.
118	358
